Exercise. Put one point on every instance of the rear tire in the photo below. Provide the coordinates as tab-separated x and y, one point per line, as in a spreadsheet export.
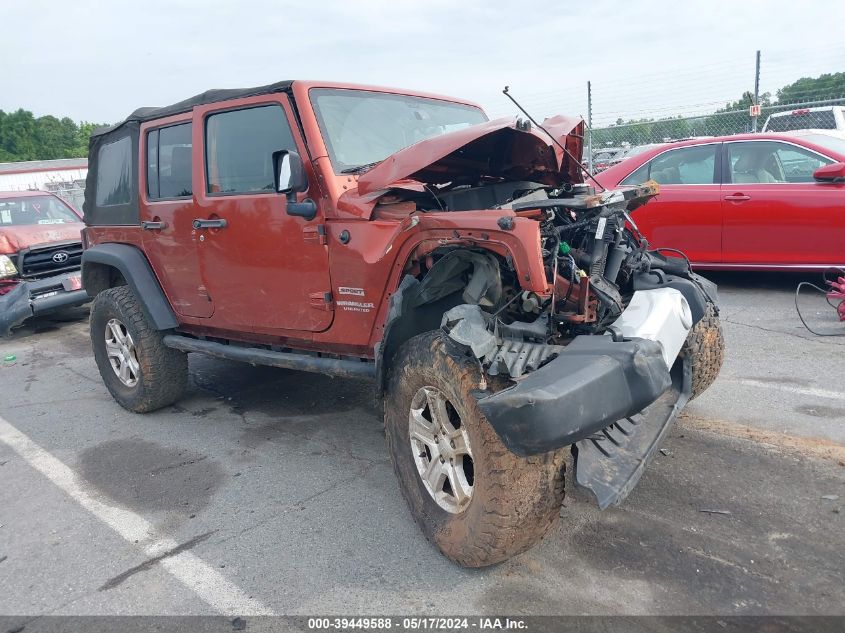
705	347
513	501
140	372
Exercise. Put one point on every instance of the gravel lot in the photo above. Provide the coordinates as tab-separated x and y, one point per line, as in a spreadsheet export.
269	491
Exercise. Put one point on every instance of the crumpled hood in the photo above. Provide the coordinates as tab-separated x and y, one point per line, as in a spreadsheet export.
492	149
15	238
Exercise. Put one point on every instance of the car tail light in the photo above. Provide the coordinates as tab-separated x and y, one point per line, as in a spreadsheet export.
802	111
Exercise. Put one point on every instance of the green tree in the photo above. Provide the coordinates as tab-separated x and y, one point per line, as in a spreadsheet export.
746	101
823	87
23	137
83	135
17	136
55	138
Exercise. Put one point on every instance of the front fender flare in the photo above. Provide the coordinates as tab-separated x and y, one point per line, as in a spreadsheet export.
139	276
418	306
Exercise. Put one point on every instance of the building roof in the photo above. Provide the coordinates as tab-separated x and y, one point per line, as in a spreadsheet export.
25	194
43	165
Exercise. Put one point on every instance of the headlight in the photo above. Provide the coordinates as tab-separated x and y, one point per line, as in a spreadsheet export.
7	268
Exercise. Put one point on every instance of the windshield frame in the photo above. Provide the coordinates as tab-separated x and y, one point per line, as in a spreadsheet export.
341	169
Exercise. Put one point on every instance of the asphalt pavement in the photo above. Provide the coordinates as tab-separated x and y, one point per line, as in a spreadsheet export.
270	491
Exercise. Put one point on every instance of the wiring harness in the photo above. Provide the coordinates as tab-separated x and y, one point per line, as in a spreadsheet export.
835	296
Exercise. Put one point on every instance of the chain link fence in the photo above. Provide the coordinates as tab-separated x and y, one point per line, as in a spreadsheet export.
72	191
795	90
791	116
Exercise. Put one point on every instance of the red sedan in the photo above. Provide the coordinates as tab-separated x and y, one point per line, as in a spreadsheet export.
751	201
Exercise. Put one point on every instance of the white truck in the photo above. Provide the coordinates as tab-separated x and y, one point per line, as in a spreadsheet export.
821	118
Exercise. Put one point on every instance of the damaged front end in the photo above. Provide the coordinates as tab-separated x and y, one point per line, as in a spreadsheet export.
611	397
597	363
591	355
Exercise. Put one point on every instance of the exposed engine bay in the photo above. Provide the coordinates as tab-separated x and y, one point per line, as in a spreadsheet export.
591	251
611	310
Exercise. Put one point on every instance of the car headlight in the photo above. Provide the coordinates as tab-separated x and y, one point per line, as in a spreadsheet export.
7	268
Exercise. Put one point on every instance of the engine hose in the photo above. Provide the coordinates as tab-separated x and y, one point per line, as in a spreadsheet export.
573	267
598	259
614	262
553	235
567	228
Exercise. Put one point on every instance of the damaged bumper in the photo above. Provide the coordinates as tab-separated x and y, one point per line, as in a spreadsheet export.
593	382
612	397
613	401
37	297
610	462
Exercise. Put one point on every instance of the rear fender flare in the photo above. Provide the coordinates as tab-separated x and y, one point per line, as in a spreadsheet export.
98	264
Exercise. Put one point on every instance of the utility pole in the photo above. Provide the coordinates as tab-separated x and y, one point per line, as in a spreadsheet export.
589	128
756	91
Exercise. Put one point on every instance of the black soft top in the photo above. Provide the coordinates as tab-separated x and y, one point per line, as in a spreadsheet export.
113	154
209	96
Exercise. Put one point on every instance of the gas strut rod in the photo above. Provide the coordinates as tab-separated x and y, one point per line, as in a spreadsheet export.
554	140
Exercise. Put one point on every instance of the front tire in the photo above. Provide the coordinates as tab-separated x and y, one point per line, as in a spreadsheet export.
475	500
140	372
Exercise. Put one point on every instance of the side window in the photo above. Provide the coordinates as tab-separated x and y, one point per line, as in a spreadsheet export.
683	166
239	148
769	161
169	162
639	176
114	161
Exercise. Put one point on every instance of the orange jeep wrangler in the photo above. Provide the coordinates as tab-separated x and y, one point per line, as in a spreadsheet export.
506	312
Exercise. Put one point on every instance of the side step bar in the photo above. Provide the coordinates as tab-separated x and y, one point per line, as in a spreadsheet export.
286	360
609	463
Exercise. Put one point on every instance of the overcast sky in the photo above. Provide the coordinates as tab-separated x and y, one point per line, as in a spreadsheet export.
98	61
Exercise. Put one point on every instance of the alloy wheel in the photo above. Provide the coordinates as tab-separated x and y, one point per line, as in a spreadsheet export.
441	449
122	356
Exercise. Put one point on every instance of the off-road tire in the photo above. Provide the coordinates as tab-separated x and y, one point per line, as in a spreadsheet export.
515	500
163	371
705	347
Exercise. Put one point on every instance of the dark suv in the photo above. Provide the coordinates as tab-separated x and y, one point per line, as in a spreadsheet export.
505	310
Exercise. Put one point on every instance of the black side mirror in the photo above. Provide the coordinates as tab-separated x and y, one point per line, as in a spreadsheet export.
290	178
289	172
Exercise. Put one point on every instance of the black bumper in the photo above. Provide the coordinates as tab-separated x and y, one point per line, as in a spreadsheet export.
614	402
593	383
609	463
37	297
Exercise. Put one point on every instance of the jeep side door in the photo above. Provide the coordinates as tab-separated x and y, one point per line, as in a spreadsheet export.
264	270
167	213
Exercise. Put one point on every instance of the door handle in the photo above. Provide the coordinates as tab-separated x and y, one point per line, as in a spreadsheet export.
153	226
219	223
737	197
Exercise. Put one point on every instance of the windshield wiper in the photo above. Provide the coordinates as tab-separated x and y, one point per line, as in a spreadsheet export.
359	168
